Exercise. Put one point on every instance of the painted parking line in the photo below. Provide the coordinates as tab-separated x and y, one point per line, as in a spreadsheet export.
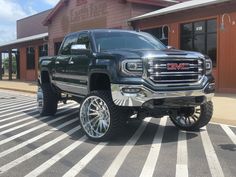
25	143
34	112
211	156
19	111
18	121
29	155
150	163
182	156
36	127
10	103
17	107
230	133
116	164
75	170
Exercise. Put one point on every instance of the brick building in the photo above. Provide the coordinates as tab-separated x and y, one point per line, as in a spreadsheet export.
42	34
206	26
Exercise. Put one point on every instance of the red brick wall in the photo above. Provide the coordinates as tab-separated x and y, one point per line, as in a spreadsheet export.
28	75
226	54
93	14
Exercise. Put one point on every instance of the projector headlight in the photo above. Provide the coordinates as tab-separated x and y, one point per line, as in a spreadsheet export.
208	66
132	67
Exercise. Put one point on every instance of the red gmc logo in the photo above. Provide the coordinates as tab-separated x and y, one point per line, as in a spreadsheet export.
176	66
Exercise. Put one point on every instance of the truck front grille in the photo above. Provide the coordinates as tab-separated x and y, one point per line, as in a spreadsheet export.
175	71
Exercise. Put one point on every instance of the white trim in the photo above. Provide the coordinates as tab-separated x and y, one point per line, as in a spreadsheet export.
26	39
179	7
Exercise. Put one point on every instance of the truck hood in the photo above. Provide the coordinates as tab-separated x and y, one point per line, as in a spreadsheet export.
135	54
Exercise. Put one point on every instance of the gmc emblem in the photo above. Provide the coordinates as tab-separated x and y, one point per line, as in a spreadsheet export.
176	66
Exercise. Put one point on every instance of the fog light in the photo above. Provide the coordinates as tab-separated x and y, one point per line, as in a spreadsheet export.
211	86
131	90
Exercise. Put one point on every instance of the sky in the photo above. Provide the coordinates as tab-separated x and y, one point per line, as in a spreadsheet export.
13	10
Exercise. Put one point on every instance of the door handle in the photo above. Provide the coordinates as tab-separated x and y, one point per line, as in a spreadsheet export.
71	62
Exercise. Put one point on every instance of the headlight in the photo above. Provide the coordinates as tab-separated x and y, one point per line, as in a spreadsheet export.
208	66
132	67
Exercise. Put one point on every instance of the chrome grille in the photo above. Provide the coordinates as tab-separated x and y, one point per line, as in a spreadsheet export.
175	71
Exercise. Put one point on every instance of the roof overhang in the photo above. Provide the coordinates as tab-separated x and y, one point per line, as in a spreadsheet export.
162	3
54	11
24	40
178	8
63	3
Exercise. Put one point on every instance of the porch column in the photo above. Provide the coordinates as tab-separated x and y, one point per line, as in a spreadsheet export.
36	49
10	64
0	65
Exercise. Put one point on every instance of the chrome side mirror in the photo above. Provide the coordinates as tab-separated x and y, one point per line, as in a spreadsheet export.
170	47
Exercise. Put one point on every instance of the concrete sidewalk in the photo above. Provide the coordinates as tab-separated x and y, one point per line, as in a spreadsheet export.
29	87
224	104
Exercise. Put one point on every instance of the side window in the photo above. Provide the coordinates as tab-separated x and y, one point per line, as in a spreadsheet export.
69	41
84	39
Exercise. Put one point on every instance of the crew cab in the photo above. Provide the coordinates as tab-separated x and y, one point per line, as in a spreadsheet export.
118	74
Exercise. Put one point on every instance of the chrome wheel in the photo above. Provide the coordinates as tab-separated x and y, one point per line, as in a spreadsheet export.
40	100
95	117
186	117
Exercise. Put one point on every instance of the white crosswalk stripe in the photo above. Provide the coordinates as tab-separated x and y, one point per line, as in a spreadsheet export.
20	113
150	164
211	156
116	164
37	151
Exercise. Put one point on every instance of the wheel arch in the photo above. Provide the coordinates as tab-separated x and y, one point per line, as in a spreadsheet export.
103	78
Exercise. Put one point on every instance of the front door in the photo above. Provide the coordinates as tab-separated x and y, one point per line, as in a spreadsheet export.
77	68
60	76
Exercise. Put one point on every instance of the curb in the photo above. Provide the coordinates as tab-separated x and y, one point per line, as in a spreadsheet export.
18	90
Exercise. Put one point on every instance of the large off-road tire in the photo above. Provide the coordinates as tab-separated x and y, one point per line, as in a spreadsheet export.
192	119
47	100
99	118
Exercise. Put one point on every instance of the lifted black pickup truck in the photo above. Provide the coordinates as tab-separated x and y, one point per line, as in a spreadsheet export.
117	74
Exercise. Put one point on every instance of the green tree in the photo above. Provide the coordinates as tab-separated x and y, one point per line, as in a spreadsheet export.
6	64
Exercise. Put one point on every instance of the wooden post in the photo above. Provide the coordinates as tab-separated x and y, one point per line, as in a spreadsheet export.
10	64
0	65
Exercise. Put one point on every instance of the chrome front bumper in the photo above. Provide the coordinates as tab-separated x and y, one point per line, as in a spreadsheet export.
143	94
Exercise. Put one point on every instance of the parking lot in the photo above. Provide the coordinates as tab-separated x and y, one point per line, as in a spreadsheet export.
31	145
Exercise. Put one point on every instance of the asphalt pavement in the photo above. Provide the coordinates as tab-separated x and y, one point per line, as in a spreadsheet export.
31	145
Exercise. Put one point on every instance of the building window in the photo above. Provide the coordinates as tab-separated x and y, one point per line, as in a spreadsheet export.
157	32
200	36
30	57
43	50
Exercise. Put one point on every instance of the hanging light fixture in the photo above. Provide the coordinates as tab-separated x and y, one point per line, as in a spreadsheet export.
29	50
163	36
222	25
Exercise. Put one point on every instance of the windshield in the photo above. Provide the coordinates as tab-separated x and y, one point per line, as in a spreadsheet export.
115	40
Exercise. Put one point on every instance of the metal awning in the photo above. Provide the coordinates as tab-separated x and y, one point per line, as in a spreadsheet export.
179	7
26	39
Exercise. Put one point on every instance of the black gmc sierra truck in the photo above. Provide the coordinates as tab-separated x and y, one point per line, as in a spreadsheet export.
119	74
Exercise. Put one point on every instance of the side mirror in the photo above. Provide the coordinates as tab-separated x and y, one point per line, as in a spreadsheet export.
170	47
79	49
